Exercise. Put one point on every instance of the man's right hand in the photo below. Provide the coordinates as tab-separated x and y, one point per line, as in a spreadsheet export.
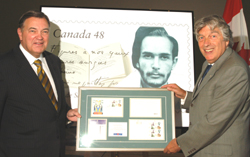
179	92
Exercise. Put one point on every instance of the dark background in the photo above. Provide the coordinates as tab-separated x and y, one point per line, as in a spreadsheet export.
11	10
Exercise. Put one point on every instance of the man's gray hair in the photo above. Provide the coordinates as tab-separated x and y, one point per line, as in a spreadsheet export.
214	21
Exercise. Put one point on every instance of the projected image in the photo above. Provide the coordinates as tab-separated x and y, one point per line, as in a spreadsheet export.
115	48
154	55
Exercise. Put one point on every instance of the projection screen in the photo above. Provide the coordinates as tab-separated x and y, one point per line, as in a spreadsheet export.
96	48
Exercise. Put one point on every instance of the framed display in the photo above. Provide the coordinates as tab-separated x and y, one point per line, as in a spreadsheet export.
125	119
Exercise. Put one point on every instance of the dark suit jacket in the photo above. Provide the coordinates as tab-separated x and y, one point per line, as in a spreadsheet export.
219	111
29	124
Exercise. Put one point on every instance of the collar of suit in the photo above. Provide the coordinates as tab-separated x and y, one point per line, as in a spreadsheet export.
211	72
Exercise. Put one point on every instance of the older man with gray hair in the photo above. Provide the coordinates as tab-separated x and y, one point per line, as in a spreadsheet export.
219	104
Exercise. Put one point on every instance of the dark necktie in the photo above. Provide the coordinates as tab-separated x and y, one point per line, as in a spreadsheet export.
206	71
45	82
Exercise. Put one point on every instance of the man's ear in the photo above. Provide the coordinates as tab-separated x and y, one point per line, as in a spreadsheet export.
227	42
137	65
20	33
175	60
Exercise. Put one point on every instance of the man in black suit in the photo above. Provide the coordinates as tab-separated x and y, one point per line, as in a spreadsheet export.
31	124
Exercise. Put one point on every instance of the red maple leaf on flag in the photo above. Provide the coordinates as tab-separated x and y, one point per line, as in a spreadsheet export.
244	53
234	16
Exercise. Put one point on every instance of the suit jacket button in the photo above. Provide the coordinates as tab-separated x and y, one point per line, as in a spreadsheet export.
192	105
190	123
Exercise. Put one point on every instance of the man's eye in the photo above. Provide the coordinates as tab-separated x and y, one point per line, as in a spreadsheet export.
147	56
46	31
164	57
214	35
200	38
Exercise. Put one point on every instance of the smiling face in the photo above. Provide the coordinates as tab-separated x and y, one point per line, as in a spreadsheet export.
211	43
34	35
156	61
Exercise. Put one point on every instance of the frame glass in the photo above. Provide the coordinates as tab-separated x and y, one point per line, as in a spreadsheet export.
125	119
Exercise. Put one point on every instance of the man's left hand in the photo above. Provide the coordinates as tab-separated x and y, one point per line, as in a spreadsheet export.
172	147
73	114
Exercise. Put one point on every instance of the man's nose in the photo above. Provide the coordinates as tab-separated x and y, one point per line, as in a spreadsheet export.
39	35
207	42
155	64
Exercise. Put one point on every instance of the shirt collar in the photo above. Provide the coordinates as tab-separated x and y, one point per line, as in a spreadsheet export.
28	56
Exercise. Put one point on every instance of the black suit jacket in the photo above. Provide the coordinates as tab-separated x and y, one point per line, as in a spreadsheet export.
29	124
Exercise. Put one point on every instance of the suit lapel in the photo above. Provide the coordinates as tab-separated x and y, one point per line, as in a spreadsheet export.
26	73
199	79
208	77
29	77
55	75
211	72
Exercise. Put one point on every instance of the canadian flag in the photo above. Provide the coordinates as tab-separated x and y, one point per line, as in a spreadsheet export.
234	16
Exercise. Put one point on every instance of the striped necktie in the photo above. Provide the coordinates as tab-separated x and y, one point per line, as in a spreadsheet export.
45	82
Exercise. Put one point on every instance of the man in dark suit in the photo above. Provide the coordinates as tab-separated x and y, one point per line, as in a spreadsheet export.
32	115
219	105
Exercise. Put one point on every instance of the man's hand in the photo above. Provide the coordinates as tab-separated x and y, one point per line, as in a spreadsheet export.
73	114
172	147
179	92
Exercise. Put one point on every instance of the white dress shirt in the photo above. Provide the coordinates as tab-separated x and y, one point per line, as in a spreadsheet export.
45	67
